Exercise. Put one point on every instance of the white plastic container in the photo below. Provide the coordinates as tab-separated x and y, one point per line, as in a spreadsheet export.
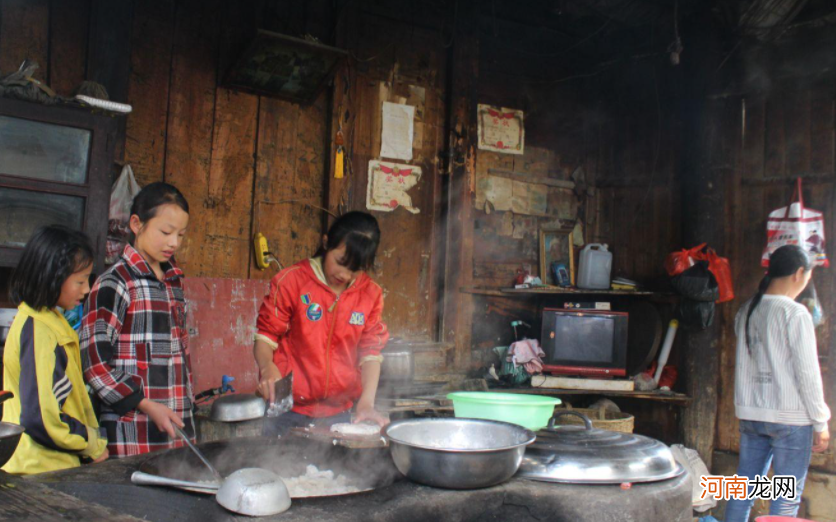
595	267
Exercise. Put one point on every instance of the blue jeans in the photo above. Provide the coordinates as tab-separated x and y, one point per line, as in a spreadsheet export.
279	426
787	448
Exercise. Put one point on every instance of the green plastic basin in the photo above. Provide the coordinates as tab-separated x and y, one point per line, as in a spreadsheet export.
529	411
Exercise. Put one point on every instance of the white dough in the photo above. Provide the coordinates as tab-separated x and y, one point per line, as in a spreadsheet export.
363	429
318	483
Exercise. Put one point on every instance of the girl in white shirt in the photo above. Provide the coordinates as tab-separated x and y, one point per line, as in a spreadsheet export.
778	394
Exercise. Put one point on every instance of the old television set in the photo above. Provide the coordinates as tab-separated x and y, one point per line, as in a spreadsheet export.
589	343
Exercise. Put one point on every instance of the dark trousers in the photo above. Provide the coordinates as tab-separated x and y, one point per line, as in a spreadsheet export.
279	426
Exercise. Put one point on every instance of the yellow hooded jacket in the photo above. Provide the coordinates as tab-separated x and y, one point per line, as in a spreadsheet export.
42	367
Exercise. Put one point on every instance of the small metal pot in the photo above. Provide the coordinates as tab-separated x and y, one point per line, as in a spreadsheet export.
237	408
398	363
457	453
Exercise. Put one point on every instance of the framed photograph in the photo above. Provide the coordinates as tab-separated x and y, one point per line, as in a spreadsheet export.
557	257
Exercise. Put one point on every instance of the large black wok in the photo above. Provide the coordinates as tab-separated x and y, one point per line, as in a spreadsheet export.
366	469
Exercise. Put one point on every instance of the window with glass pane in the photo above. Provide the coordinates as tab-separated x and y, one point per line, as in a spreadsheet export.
23	211
44	151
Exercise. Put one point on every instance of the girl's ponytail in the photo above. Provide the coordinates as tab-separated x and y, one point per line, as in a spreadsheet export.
782	263
755	302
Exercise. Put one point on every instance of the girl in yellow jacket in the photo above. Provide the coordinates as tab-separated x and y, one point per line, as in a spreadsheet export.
42	363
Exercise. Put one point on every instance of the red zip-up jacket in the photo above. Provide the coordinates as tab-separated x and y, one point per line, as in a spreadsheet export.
322	338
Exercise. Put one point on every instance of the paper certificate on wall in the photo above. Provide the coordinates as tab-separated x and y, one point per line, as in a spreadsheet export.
388	184
501	129
397	131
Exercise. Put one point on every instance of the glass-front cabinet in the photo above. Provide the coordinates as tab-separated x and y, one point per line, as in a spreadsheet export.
55	168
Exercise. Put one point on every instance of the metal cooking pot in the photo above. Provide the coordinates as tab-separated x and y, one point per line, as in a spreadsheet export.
9	438
238	407
587	455
398	363
457	453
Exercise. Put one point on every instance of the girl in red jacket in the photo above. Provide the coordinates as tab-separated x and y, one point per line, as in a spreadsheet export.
322	321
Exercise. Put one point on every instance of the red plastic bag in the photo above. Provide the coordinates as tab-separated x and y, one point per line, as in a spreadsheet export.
678	262
719	266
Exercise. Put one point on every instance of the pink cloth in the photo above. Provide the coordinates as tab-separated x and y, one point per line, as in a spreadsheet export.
528	354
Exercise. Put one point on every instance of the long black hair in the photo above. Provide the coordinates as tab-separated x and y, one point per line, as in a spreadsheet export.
784	262
152	197
52	254
361	235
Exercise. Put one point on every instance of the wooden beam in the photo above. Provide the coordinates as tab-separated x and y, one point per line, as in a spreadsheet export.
528	178
714	127
463	70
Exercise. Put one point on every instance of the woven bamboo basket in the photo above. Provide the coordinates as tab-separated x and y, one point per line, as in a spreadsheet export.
602	419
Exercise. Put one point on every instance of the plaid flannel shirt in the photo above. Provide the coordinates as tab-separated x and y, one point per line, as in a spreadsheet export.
134	346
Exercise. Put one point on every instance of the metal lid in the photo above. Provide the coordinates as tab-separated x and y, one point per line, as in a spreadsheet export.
586	455
238	407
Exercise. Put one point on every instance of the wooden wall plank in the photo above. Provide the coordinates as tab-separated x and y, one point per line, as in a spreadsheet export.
228	251
735	153
309	186
797	132
457	321
69	22
822	130
151	52
754	154
775	164
275	174
191	118
24	34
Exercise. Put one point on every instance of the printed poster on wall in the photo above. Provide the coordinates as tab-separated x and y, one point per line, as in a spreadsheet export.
388	186
500	129
398	131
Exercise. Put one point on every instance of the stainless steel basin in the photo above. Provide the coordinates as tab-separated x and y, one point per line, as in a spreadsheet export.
457	453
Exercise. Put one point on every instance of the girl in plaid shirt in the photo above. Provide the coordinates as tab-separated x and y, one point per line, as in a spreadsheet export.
134	337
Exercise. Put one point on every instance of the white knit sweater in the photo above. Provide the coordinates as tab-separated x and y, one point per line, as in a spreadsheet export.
777	378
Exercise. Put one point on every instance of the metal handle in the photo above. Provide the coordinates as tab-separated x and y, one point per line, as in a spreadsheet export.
146	479
197	452
586	422
6	395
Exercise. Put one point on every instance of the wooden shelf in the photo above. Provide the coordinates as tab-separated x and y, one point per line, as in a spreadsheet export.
678	399
555	290
440	402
